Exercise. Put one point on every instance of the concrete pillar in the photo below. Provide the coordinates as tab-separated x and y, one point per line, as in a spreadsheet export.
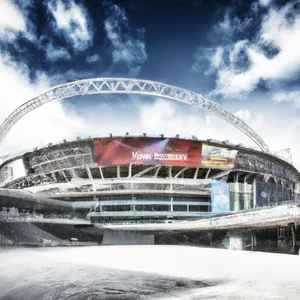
91	178
236	200
118	171
196	173
295	192
253	240
293	234
207	174
73	173
101	173
235	239
254	192
246	197
130	170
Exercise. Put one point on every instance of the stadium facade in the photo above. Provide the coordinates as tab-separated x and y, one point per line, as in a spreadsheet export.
150	179
145	179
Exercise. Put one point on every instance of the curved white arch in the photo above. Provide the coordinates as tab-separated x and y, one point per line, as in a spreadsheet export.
128	86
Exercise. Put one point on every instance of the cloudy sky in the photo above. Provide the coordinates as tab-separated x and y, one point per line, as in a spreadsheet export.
245	55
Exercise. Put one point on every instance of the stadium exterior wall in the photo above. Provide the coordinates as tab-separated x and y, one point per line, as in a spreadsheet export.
150	178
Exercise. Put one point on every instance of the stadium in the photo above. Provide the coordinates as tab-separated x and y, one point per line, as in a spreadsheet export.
145	179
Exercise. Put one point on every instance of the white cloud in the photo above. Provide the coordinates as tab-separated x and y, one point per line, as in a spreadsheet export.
170	118
73	22
272	54
255	120
92	58
231	25
49	122
213	55
238	47
53	122
233	83
244	114
11	20
128	46
56	53
292	96
217	60
265	2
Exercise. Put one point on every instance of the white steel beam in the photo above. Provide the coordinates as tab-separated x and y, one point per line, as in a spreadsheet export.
145	171
128	86
181	171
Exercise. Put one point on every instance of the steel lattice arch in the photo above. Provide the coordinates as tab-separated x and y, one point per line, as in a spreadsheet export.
129	86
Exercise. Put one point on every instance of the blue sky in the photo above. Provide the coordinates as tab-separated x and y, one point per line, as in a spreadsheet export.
242	54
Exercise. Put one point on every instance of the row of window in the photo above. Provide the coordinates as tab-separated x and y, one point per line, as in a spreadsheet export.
140	197
152	208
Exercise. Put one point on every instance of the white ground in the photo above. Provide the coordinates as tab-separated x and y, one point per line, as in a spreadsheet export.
241	274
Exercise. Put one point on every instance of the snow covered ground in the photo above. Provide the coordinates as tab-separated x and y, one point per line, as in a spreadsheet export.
147	272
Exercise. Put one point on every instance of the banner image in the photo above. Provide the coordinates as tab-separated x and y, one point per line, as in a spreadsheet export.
148	151
220	200
218	157
270	194
12	171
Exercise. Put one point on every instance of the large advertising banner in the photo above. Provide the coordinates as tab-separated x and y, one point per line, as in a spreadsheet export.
148	151
12	171
220	199
218	157
270	194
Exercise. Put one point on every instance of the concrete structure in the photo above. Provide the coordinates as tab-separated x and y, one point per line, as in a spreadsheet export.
121	187
160	181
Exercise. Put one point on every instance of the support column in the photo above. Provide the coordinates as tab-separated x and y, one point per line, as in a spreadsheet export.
246	194
170	172
236	200
130	171
235	239
118	171
207	174
294	196
101	173
91	178
73	173
253	240
293	234
196	173
254	193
